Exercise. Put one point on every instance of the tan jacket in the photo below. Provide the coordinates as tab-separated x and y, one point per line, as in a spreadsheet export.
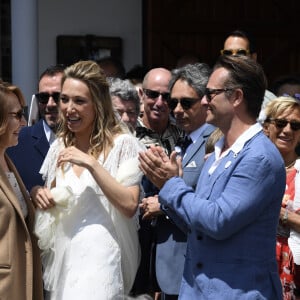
20	265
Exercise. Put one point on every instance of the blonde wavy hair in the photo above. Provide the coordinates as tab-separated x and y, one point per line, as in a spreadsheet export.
106	123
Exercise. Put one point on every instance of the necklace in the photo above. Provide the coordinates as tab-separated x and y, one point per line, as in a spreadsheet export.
290	165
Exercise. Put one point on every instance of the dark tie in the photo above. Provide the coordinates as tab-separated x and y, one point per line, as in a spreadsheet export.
183	143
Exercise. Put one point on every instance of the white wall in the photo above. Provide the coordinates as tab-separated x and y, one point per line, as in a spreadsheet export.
113	18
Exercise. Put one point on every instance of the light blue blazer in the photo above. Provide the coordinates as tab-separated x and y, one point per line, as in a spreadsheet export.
171	240
232	218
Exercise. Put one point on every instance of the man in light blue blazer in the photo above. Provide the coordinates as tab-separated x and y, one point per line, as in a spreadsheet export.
187	86
233	214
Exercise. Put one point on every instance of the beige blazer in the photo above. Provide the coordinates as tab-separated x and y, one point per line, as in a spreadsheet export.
20	265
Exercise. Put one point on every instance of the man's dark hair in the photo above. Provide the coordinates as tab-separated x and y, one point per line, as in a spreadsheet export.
248	75
52	70
293	79
246	35
136	74
110	60
196	75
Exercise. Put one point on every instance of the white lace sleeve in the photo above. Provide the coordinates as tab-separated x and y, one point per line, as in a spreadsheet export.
124	160
128	172
48	169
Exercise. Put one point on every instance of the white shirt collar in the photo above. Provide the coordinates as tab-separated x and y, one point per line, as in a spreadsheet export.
48	132
238	145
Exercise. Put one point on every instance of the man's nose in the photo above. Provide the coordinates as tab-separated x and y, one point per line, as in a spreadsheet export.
124	117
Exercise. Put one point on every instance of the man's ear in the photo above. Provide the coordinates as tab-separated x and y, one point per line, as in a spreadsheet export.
237	97
141	93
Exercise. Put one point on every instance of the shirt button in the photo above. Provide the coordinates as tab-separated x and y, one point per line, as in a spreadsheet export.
199	237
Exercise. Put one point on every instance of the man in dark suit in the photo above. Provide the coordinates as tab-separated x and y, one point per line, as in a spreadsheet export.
34	141
187	87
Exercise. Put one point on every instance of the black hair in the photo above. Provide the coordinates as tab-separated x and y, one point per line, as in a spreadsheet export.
246	35
53	70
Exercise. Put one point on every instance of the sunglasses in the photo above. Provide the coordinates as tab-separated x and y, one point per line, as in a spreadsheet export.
186	103
281	123
209	92
155	94
44	97
296	96
228	52
18	115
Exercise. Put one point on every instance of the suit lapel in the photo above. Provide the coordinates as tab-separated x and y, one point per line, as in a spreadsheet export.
11	197
196	146
192	151
38	133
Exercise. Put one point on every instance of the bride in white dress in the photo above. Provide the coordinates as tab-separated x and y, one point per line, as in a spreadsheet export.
89	239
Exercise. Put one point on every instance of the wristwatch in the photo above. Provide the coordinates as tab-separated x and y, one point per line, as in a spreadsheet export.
284	218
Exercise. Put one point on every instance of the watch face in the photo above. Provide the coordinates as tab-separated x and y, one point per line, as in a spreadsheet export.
285	216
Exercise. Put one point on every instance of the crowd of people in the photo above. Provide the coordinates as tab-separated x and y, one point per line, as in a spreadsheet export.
155	184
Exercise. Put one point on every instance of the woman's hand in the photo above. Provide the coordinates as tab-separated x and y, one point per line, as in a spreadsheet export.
42	197
75	156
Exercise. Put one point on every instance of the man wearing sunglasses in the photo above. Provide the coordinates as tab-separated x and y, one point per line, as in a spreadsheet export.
34	141
287	85
154	128
239	42
187	87
232	215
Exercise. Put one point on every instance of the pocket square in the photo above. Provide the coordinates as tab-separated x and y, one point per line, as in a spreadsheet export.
192	164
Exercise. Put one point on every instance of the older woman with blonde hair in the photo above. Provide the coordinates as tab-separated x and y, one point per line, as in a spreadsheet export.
282	126
20	267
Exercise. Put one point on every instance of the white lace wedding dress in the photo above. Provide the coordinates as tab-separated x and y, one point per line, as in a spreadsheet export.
93	250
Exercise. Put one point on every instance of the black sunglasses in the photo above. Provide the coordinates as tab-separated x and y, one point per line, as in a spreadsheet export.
281	123
186	103
18	115
43	97
209	92
296	96
229	52
155	94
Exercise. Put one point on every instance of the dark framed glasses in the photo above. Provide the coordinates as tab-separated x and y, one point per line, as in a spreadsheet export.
186	103
211	93
155	94
229	52
43	97
18	115
296	96
281	123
